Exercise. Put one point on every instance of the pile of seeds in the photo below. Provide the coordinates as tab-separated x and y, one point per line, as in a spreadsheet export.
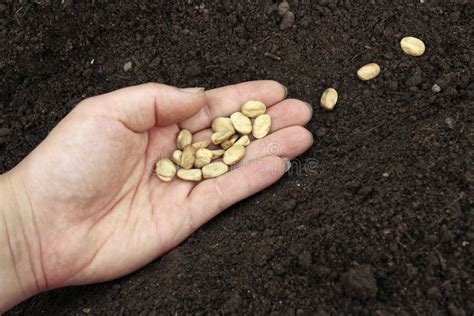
195	161
410	45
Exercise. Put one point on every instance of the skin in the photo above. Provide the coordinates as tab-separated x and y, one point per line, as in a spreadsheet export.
85	206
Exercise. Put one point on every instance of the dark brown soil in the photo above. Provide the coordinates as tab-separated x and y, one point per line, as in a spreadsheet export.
382	220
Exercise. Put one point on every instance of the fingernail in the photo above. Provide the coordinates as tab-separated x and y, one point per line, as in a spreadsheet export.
310	107
287	164
192	90
286	91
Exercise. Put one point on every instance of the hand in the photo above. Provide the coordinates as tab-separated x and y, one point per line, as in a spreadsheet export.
85	206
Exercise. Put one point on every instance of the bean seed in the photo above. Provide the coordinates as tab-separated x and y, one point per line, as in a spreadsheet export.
220	137
412	46
329	99
165	169
228	143
241	123
222	124
217	153
188	157
261	126
234	154
202	144
214	169
184	138
176	156
244	141
203	157
190	175
253	109
368	72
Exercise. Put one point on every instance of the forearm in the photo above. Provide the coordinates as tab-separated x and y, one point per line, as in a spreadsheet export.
17	262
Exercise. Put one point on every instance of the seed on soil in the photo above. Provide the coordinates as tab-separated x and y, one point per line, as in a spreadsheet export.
228	143
241	123
190	175
368	72
127	66
436	88
218	153
220	137
261	126
188	157
184	138
222	124
176	156
283	7
203	157
214	169
253	109
165	169
287	21
234	154
202	144
244	141
412	46
329	99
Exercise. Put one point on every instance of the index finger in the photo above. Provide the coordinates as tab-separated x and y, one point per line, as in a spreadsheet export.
229	99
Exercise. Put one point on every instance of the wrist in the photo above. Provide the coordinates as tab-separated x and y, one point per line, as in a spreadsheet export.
20	266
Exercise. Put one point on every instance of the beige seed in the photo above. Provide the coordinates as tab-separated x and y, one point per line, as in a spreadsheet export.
188	157
228	143
203	157
244	141
368	72
234	154
184	138
412	46
190	175
176	156
220	137
329	99
165	169
218	153
253	109
214	169
241	123
202	144
222	124
261	126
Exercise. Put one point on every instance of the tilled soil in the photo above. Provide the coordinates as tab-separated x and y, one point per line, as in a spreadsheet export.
376	218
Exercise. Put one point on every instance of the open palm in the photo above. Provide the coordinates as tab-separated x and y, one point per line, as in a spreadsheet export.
98	212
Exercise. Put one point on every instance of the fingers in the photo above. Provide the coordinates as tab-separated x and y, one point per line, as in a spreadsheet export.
227	100
212	196
141	107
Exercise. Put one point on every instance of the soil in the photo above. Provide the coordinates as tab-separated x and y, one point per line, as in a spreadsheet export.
377	218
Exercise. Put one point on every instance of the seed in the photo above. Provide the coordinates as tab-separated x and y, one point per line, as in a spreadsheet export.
222	124
176	156
228	143
329	99
188	157
217	153
368	72
203	157
202	144
241	123
214	169
165	169
244	141
261	126
234	154
220	137
184	138
190	175
254	108
282	8
436	88
412	46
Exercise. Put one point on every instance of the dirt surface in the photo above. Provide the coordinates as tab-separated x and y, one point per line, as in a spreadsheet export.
376	218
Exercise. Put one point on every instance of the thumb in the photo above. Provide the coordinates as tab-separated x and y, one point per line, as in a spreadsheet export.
141	107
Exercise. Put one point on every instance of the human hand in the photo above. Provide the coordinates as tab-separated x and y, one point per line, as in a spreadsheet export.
85	206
